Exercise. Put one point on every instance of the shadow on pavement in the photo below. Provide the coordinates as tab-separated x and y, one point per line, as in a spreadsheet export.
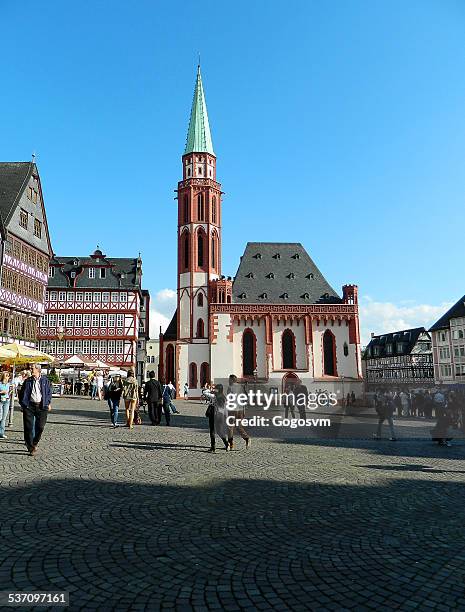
237	544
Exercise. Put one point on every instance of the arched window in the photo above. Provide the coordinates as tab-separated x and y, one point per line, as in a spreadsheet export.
169	366
249	352
193	376
185	250
186	209
200	299
200	208
214	209
200	329
346	349
288	349
329	354
214	252
228	299
200	249
204	374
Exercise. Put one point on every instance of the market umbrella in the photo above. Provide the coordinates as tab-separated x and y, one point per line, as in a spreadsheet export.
25	354
5	354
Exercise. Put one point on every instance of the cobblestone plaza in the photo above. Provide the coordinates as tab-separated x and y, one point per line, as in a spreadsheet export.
146	519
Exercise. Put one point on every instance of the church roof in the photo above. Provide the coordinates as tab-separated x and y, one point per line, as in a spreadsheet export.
199	138
280	273
13	179
171	332
457	310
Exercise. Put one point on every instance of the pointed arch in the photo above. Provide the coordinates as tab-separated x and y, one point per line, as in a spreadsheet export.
214	209
214	251
200	329
249	352
329	354
204	373
185	251
200	207
169	364
186	209
200	299
288	349
193	375
201	249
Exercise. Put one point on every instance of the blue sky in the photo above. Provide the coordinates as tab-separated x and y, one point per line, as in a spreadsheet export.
336	124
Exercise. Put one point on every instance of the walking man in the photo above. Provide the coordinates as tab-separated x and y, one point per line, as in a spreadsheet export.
35	401
385	410
153	394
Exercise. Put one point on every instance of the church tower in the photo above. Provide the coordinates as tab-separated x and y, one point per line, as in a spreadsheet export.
199	241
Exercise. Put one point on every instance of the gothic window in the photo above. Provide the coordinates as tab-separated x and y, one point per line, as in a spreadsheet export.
200	329
288	349
169	367
200	299
200	249
186	209
329	354
185	250
204	374
213	209
193	376
249	352
200	207
214	254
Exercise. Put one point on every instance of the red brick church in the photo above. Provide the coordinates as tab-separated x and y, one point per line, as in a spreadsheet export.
276	321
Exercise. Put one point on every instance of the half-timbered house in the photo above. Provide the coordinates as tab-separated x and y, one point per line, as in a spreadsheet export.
399	358
26	251
93	309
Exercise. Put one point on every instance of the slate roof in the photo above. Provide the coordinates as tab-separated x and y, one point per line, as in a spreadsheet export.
270	271
13	179
408	337
457	310
172	329
121	272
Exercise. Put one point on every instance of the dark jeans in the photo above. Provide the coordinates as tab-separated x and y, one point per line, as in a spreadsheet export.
153	412
114	407
34	419
167	412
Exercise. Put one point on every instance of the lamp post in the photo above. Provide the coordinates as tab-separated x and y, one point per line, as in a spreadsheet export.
60	336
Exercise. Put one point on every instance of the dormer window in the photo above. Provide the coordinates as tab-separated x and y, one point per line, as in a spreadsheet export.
51	271
284	296
91	272
310	276
73	274
243	296
296	256
305	296
75	262
277	256
291	275
270	275
103	272
263	296
250	275
258	256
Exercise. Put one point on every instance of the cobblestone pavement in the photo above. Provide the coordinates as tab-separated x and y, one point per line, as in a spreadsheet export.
146	519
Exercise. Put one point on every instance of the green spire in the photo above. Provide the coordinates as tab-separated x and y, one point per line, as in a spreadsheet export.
199	138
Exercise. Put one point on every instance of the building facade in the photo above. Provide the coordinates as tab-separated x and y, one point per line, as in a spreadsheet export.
153	356
26	251
399	358
93	309
448	337
276	321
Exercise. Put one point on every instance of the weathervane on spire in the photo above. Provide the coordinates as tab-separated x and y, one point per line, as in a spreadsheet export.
33	157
